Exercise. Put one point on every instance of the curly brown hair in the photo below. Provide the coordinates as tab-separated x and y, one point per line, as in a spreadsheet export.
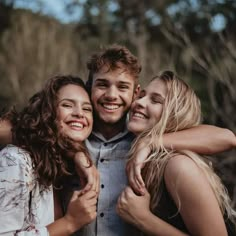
35	130
114	57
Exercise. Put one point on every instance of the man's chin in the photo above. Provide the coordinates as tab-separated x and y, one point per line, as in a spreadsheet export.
110	120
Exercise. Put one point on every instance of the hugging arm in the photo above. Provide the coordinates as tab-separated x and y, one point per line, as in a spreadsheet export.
81	211
191	193
202	139
136	210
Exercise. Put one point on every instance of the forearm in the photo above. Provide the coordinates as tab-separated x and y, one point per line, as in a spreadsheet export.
152	225
202	139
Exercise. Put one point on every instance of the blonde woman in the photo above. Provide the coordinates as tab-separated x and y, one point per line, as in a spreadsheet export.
183	195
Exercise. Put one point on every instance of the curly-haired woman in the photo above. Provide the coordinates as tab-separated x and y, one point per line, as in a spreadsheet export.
47	134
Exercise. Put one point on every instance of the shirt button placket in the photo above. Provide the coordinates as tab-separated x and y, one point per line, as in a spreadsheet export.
103	203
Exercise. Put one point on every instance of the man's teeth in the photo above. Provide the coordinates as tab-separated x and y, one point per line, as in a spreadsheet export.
75	124
139	115
111	107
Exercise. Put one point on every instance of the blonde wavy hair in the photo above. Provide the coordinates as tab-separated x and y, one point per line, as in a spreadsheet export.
181	110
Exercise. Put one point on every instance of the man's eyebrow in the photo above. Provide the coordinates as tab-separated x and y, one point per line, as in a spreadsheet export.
125	82
100	80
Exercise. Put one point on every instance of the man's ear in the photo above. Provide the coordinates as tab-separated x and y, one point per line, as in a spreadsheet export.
136	91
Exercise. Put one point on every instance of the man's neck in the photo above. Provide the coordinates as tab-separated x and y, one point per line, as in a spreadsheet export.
109	131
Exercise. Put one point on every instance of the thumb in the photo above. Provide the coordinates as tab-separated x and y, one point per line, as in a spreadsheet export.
76	194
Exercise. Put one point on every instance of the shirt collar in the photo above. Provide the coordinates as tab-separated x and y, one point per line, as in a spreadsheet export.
116	137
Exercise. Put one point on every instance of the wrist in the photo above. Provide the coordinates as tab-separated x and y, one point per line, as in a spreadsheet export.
143	223
64	227
70	225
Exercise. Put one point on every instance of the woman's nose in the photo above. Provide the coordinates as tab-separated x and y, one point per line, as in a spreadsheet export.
77	111
141	101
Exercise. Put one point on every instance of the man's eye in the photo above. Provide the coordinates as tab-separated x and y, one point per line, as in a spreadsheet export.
101	85
123	87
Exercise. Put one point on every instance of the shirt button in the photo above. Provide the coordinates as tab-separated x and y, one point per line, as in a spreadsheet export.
102	160
102	214
102	185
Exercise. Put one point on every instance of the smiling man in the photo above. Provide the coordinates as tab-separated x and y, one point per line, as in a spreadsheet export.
113	84
112	94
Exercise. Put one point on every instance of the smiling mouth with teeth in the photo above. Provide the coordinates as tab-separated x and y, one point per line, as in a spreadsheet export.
111	107
77	125
139	115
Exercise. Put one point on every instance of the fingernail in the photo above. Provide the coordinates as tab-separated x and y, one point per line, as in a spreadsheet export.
142	191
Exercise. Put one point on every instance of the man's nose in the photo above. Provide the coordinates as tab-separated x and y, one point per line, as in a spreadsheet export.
111	93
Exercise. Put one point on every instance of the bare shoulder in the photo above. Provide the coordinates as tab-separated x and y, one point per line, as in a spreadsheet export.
181	169
180	164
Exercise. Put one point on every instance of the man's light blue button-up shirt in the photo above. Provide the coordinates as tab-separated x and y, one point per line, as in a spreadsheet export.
110	159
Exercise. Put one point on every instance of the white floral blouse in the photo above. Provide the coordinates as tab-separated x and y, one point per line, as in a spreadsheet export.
24	208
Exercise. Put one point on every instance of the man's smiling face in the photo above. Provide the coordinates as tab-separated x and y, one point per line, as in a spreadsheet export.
112	94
